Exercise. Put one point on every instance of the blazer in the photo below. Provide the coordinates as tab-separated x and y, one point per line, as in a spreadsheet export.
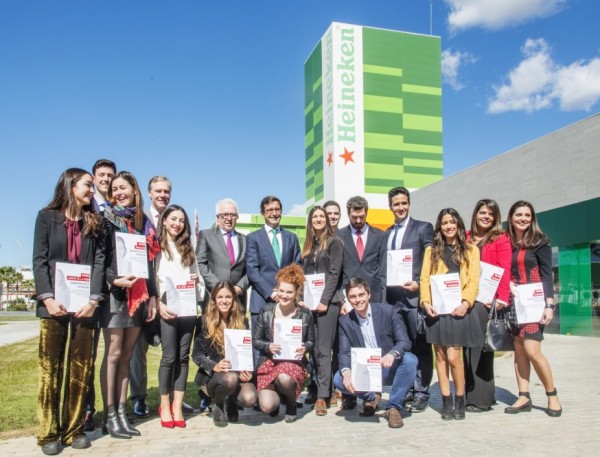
499	253
50	246
329	262
372	268
469	277
262	267
389	328
417	236
262	334
534	265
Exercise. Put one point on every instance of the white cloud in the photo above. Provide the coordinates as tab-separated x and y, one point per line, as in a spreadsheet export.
497	14
297	209
538	82
451	64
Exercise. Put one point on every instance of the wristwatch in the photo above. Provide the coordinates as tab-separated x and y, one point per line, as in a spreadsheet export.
551	306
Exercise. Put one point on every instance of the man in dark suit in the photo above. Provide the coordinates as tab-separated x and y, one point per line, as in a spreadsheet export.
364	249
102	171
221	251
408	233
375	325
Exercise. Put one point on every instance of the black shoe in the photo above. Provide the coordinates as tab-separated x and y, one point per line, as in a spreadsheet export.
348	402
233	413
124	421
291	412
553	412
50	448
476	409
524	408
418	405
88	422
219	416
274	413
447	408
140	408
409	398
459	408
81	442
112	426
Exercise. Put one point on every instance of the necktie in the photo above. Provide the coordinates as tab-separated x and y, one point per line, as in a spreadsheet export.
104	205
230	249
360	247
396	228
276	247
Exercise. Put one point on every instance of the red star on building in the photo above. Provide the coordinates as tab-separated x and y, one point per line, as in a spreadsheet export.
330	158
347	156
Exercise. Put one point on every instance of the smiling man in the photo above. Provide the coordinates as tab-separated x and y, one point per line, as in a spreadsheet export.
103	172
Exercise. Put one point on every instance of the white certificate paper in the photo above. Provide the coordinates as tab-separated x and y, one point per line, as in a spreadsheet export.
530	302
132	258
238	349
181	295
399	267
72	285
287	333
445	292
365	369
314	285
489	280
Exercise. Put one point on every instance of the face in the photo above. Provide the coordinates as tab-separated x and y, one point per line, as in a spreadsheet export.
286	293
272	214
224	301
102	178
334	215
227	217
83	190
400	206
123	192
359	299
174	223
484	219
521	219
449	227
358	218
160	194
318	221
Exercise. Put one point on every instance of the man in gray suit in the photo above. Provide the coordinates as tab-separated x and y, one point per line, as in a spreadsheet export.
221	251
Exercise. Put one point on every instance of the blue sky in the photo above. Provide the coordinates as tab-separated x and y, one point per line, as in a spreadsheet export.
210	93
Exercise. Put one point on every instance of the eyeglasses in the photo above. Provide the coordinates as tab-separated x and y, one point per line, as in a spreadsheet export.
228	215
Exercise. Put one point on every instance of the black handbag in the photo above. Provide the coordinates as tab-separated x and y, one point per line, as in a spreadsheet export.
498	335
421	321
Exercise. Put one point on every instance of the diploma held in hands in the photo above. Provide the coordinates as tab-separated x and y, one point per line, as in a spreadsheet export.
399	267
489	280
365	368
288	334
72	285
445	292
238	349
181	295
132	258
313	289
530	302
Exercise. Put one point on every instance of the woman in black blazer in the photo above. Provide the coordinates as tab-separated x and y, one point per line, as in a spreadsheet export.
277	378
67	231
214	376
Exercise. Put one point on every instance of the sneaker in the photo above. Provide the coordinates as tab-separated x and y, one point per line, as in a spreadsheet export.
290	413
419	405
81	442
140	408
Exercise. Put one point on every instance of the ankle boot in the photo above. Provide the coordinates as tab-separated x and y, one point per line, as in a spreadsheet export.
111	425
459	407
447	408
124	420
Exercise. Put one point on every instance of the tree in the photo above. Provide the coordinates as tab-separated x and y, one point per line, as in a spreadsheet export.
8	276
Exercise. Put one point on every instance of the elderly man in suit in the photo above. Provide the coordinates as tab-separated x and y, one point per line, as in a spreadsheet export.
408	233
221	251
375	325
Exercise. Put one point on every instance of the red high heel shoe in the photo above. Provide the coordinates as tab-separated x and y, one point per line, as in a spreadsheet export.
166	424
180	424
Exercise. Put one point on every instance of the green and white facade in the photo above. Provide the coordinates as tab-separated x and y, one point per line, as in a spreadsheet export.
373	114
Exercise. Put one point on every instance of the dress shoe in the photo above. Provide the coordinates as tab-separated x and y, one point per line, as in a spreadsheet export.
394	418
333	400
418	405
88	422
459	408
140	408
321	407
370	406
112	426
476	409
50	448
553	412
168	423
219	416
81	442
186	409
447	408
311	397
233	413
348	402
290	412
124	421
524	408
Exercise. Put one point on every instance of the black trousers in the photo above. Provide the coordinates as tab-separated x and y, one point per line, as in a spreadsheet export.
176	338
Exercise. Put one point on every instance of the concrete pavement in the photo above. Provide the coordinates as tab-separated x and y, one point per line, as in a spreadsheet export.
574	360
15	331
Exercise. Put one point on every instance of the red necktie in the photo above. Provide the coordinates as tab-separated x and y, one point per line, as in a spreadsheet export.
360	247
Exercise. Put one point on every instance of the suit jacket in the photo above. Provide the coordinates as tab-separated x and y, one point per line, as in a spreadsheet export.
417	236
261	265
214	264
50	246
329	262
389	328
372	268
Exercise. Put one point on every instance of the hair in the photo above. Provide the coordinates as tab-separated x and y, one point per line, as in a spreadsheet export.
398	191
223	202
269	199
311	238
156	179
357	203
183	242
496	230
214	321
104	163
357	282
63	200
332	203
437	248
138	201
291	274
534	235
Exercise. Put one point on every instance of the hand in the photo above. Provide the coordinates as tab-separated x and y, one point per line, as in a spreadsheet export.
347	378
86	311
274	348
165	313
547	316
387	360
195	277
488	305
55	308
222	367
125	281
300	351
238	290
500	304
411	286
429	309
151	309
345	309
461	310
245	376
274	296
513	288
321	308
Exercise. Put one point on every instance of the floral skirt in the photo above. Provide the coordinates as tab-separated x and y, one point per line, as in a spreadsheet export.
269	370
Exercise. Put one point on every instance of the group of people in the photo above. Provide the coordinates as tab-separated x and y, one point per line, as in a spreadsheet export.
89	212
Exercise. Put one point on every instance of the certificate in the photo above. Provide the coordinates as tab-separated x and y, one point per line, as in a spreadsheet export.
365	369
399	267
287	333
132	258
181	295
530	302
72	285
314	285
489	280
238	349
445	292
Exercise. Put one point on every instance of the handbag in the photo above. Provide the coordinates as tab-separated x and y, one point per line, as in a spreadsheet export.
498	335
421	321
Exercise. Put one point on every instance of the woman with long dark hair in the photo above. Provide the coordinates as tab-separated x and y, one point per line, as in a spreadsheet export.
67	230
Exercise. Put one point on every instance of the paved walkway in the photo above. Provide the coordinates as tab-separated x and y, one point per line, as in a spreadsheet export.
575	361
15	331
